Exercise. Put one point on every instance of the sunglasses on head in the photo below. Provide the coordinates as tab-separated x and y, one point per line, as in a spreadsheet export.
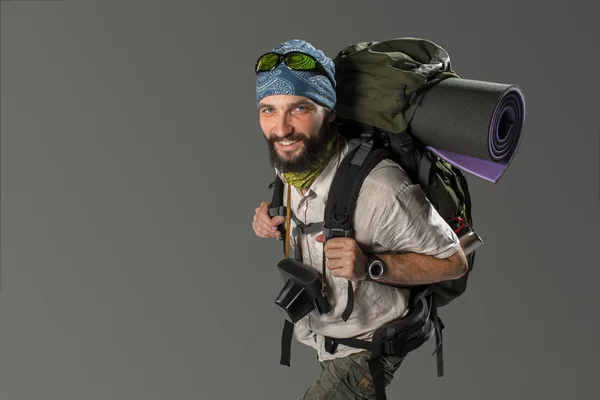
296	61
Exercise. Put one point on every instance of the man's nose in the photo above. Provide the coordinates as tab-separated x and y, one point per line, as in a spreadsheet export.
282	127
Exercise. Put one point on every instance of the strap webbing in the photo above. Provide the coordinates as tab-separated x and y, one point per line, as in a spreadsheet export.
376	369
439	345
304	229
286	343
276	208
288	327
343	195
425	172
350	303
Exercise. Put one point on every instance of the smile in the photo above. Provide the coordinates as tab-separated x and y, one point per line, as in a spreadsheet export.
288	144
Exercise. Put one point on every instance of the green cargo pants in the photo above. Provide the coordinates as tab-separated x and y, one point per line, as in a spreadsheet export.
348	378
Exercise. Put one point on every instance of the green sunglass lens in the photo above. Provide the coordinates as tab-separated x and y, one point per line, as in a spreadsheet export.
267	62
300	61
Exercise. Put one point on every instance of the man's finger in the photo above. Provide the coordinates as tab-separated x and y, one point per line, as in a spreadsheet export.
277	220
263	208
333	254
334	264
263	230
268	234
335	243
267	226
258	231
264	217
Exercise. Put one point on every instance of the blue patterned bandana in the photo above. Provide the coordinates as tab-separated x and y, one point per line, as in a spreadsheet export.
311	84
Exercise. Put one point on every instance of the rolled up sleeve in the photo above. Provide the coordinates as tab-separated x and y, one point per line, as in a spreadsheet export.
410	223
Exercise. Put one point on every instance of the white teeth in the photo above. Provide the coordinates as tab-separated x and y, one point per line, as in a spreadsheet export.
288	142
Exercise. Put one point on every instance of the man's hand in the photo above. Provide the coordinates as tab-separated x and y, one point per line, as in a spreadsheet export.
345	258
264	226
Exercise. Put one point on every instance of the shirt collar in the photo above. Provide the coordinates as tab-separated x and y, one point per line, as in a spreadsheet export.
320	187
322	184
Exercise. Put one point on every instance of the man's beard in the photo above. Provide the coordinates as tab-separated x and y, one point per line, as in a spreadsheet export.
313	149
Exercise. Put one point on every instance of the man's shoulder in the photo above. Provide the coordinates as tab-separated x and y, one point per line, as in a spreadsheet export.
386	178
378	205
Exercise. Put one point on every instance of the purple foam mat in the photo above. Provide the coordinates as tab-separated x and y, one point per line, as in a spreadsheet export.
475	126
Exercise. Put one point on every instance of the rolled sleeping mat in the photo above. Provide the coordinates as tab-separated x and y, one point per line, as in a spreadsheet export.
474	125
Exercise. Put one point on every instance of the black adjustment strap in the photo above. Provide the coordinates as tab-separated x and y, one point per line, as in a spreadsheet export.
276	208
277	185
361	153
331	233
311	228
401	142
306	229
331	344
413	101
405	141
425	171
350	303
286	343
439	345
376	368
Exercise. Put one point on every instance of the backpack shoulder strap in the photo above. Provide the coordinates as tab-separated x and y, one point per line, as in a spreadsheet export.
343	194
277	208
346	185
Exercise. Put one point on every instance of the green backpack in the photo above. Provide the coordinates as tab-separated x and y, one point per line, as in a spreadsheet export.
379	85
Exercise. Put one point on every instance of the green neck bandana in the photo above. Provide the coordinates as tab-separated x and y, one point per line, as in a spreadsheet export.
303	180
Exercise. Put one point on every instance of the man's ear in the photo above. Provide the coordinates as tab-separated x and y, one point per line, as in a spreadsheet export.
331	116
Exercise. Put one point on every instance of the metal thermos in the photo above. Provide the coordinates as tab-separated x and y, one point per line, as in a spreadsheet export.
469	239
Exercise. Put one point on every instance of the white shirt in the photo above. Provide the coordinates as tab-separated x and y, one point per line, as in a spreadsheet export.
392	215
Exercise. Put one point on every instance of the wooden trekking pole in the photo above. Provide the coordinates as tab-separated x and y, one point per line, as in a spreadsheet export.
288	223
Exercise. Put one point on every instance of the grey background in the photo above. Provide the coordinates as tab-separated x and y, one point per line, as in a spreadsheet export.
132	161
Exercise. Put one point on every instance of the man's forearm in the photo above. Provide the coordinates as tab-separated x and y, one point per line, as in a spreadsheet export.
419	269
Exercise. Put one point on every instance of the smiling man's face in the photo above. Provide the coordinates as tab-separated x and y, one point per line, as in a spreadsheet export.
296	129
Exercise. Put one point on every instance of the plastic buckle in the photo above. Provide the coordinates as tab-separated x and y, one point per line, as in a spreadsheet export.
330	345
406	143
277	211
336	232
366	138
389	347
